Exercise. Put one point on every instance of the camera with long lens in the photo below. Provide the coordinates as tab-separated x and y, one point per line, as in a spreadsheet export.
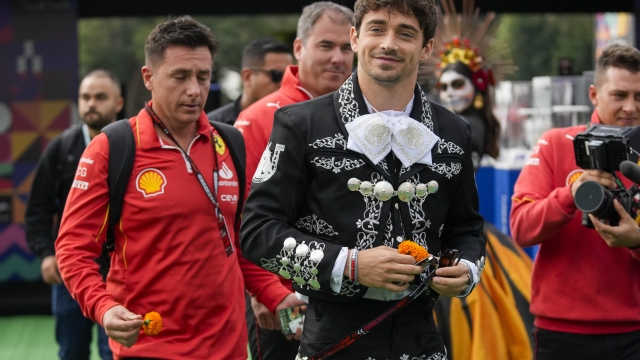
606	147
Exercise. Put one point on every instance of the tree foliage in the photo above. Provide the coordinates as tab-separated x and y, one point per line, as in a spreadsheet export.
538	42
117	44
535	42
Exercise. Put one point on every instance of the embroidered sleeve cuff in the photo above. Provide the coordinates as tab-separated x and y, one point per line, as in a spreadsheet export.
299	262
338	270
475	278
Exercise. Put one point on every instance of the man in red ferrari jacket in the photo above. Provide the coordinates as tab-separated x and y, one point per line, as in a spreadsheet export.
171	255
586	283
323	51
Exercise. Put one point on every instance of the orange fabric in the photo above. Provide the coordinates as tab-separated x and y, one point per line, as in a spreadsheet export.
175	260
489	324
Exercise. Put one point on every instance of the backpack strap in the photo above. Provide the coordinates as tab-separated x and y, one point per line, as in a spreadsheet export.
232	136
122	151
65	158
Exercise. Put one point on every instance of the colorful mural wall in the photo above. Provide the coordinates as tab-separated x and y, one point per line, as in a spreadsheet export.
38	85
614	28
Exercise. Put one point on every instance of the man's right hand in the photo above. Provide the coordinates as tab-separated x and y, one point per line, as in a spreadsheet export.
122	325
383	267
602	177
49	270
266	319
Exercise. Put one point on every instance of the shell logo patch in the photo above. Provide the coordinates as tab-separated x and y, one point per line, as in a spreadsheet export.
573	176
151	182
220	145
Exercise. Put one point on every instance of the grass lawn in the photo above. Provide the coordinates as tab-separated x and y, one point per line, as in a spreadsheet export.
32	337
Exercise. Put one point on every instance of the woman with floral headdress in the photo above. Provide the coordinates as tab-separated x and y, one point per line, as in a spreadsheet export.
464	89
494	322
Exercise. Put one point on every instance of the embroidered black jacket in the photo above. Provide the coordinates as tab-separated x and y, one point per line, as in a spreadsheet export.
300	191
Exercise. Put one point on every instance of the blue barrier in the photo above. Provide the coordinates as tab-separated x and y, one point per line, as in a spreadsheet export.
495	189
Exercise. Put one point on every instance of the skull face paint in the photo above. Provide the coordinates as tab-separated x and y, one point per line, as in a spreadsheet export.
456	91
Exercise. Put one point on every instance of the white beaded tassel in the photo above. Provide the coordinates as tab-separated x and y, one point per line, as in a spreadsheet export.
315	258
301	252
287	250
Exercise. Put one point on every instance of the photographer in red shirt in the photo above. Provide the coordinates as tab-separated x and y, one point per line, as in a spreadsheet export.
586	282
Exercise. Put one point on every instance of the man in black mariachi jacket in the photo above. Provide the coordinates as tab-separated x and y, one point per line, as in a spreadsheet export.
348	176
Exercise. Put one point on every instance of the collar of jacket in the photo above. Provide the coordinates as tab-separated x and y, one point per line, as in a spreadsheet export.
595	118
349	104
291	85
145	133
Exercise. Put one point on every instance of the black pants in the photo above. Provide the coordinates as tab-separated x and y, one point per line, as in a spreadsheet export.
409	334
268	344
553	345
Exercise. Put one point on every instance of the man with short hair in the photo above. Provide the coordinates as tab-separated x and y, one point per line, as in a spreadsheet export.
325	59
176	250
99	102
264	61
323	208
586	282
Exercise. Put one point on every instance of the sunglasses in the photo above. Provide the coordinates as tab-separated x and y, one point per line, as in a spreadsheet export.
276	75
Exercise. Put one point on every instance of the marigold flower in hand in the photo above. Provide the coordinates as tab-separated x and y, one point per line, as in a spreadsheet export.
152	324
409	247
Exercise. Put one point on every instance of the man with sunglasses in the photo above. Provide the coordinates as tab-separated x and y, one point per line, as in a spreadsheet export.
323	51
263	63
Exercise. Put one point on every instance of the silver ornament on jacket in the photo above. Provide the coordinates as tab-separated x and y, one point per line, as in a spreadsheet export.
383	190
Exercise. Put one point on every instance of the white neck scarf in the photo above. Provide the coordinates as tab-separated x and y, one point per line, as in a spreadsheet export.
374	135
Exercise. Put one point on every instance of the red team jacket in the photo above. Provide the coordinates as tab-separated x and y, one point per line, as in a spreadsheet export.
169	255
579	285
256	123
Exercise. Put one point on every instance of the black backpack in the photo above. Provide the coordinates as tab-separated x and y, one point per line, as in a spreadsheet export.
122	151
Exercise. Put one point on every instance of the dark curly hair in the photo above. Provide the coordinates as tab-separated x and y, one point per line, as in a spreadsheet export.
178	31
425	11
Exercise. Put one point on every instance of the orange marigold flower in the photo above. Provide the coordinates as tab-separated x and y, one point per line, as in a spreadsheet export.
409	247
152	324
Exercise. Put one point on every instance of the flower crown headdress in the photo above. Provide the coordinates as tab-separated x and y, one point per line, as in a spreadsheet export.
469	39
462	51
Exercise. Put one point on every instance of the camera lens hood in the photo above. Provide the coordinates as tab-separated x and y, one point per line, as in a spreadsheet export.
590	197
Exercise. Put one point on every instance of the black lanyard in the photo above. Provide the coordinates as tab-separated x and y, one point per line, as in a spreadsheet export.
213	196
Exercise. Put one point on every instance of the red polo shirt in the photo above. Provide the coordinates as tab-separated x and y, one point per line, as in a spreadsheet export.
169	256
